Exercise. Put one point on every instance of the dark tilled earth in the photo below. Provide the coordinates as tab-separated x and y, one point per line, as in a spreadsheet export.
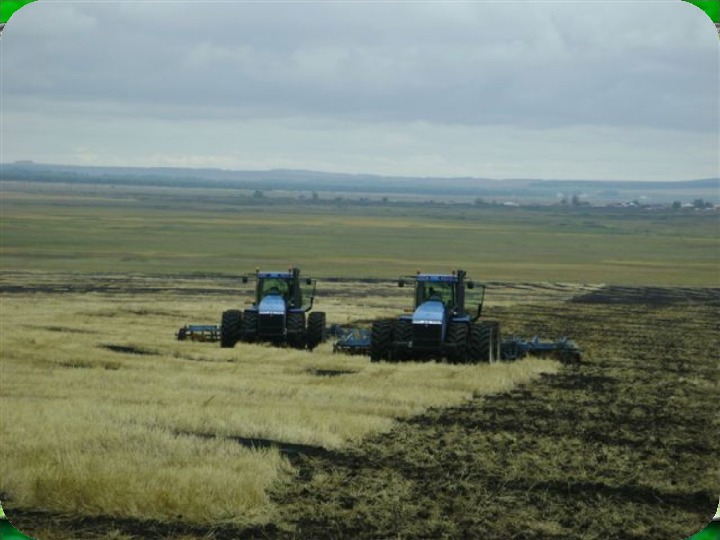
622	445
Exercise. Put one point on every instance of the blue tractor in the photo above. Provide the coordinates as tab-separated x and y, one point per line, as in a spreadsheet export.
278	313
439	326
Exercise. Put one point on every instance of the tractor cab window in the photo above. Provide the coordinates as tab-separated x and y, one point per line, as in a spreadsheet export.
272	287
307	292
436	290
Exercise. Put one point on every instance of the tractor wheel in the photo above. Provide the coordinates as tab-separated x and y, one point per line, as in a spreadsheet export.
315	329
230	328
402	333
182	333
481	342
380	340
296	329
457	341
249	326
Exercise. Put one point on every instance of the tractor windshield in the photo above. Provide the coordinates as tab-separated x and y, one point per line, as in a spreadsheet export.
435	290
272	286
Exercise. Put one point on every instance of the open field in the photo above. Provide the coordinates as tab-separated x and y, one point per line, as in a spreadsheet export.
112	429
174	231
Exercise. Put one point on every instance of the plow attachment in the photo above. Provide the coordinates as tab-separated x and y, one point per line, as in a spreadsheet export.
353	341
563	349
199	332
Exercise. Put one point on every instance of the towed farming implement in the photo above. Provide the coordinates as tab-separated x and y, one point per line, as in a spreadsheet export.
563	349
199	332
353	341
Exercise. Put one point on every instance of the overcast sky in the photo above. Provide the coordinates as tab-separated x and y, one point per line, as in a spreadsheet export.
564	90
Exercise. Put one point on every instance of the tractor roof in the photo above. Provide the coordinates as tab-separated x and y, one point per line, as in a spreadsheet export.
277	275
437	277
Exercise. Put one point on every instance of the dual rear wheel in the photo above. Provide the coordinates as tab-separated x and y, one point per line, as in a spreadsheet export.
457	341
315	329
381	341
238	326
484	342
296	329
230	327
466	343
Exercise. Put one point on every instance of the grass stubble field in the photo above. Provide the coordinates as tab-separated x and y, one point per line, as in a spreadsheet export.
111	429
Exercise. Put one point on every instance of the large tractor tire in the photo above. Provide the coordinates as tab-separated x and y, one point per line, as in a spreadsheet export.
315	329
296	329
402	333
485	342
381	341
230	328
249	326
457	341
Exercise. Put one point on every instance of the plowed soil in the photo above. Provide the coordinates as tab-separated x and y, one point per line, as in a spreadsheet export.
623	444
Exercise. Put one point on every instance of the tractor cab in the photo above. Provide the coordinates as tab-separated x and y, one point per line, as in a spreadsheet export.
273	285
272	293
436	288
272	303
283	288
442	295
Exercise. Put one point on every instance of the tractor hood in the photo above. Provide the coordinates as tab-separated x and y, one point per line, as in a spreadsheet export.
272	305
430	312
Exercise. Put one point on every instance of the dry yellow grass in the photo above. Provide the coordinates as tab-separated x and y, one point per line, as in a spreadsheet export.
89	430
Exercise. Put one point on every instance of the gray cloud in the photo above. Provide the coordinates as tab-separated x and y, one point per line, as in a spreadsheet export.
341	74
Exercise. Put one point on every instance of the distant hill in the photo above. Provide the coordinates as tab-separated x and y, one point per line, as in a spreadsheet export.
303	180
221	178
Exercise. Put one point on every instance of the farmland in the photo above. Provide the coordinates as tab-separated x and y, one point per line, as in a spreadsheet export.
171	231
112	429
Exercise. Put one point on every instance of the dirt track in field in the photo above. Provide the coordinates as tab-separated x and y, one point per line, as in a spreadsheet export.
622	445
